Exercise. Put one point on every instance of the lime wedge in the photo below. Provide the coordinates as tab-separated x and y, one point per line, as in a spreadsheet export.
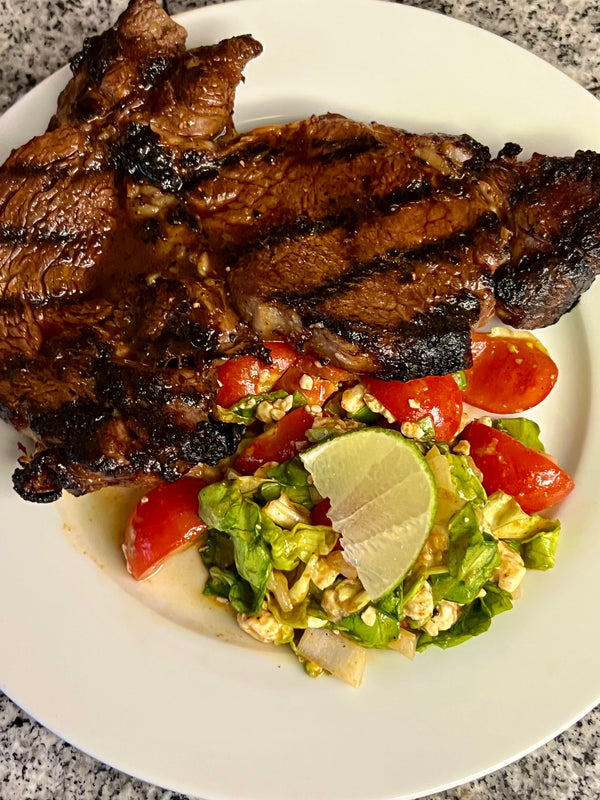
383	501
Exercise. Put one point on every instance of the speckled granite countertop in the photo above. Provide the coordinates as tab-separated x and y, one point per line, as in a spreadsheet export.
38	36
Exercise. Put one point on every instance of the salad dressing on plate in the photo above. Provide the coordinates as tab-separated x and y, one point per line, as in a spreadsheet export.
94	525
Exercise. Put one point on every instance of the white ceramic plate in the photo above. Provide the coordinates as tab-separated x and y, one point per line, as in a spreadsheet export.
165	693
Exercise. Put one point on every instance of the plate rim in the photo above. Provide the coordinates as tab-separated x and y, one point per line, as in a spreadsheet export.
141	615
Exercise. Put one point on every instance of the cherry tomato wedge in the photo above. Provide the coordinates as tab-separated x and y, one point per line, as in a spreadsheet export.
165	520
509	374
436	396
531	477
314	380
279	443
246	375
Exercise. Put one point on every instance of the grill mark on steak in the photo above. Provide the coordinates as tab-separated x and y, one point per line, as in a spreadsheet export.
345	149
10	234
145	157
401	262
434	343
347	217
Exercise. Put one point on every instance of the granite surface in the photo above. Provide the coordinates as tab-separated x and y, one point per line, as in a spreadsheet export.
38	36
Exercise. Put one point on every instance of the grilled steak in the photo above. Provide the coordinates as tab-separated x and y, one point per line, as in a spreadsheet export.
142	239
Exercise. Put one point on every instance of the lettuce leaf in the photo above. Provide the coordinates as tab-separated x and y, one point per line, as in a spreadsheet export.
384	630
533	536
456	482
222	506
472	558
524	430
538	552
288	548
292	478
223	578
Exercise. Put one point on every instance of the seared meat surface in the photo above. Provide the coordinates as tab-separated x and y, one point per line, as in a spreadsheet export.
554	217
142	239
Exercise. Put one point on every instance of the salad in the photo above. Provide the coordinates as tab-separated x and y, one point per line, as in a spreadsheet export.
428	566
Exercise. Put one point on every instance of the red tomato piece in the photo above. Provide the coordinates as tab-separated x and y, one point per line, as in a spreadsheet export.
531	477
165	520
247	375
279	443
319	517
283	355
509	374
319	513
437	397
324	379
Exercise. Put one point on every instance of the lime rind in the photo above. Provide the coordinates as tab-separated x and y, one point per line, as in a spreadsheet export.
383	501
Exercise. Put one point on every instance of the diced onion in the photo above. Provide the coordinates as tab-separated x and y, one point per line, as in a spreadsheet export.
334	653
406	644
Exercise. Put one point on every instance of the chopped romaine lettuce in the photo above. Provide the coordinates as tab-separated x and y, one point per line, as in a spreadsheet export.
222	506
243	545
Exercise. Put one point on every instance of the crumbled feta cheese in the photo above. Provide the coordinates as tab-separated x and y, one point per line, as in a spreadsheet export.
462	448
348	597
411	430
511	570
314	409
272	411
420	607
447	614
378	408
324	574
352	398
306	382
369	616
372	403
262	626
